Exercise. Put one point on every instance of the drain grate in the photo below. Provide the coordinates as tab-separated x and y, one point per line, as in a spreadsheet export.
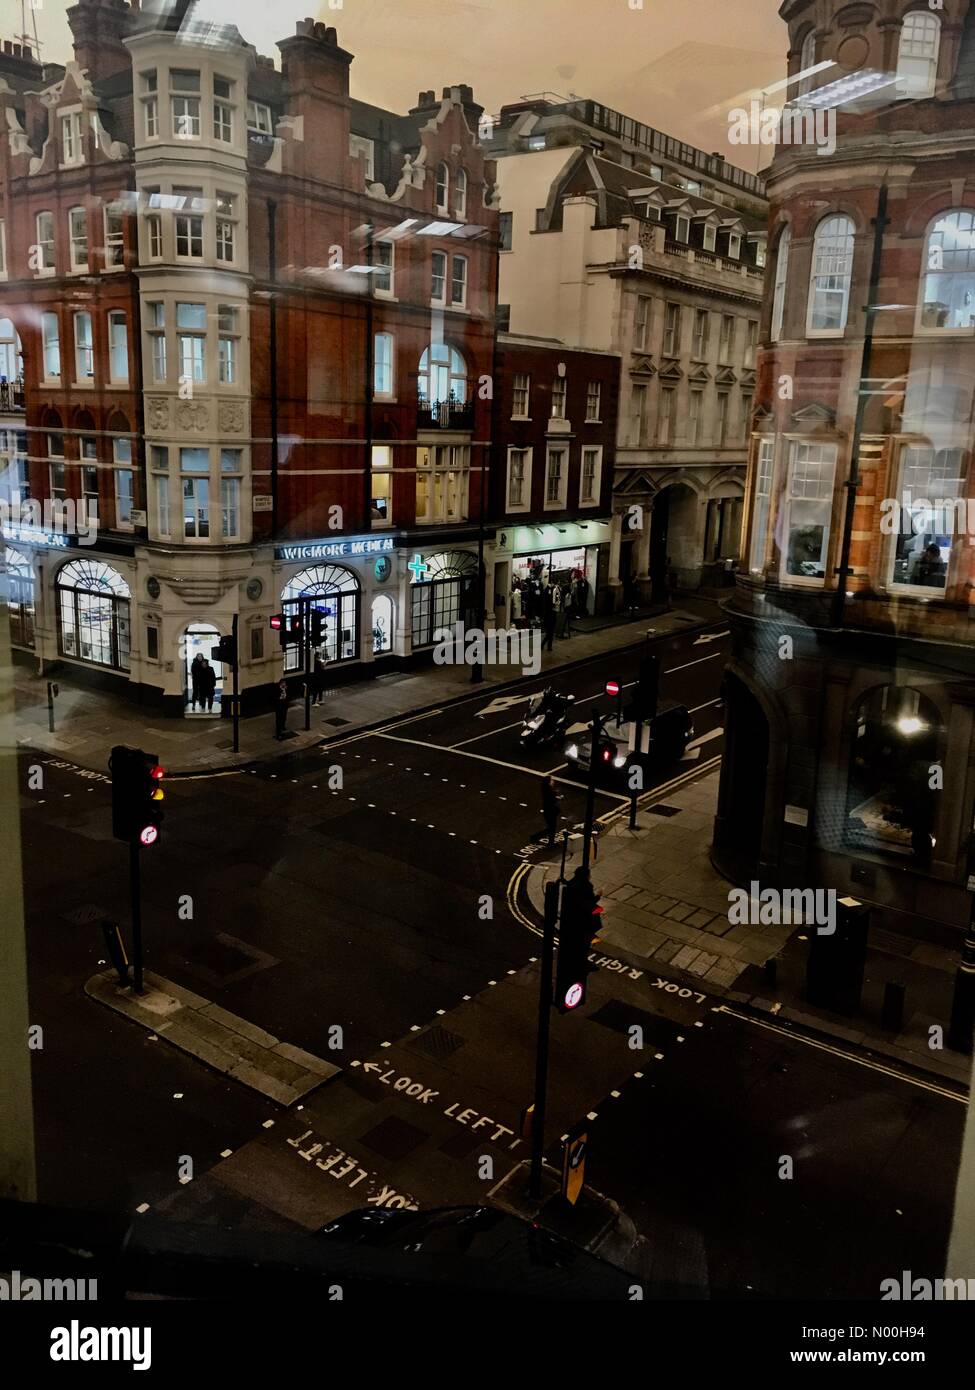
336	723
662	810
437	1042
394	1138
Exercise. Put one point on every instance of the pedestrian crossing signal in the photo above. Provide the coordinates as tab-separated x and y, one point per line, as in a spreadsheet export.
136	795
288	626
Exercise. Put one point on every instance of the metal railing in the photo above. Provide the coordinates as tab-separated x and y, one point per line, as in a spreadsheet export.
12	395
449	414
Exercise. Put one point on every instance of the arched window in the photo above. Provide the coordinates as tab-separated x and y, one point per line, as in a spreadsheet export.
338	590
917	55
443	187
443	595
19	574
443	375
460	193
382	624
807	59
948	275
781	283
897	737
93	614
11	368
829	285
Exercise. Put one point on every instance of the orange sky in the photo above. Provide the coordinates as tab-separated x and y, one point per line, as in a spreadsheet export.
673	64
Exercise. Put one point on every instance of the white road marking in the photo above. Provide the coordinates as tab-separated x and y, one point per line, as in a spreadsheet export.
513	767
715	656
706	738
705	706
710	637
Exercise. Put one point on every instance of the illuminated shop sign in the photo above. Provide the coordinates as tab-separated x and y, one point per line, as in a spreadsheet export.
356	547
32	535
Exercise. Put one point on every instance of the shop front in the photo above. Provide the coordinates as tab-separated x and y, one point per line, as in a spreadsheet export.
574	553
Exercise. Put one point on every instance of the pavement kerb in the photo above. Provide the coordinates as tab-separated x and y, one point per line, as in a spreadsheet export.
355	731
529	892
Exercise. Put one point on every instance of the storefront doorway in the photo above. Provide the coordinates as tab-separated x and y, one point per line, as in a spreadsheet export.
198	641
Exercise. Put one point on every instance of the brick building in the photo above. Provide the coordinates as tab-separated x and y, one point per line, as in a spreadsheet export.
851	702
552	475
255	318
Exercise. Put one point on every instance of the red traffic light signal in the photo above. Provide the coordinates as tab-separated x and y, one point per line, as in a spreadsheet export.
136	795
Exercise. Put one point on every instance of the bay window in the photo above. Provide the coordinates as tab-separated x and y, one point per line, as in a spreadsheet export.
226	226
763	501
223	110
808	506
156	321
191	322
51	346
832	266
227	344
184	88
194	468
189	223
231	471
124	482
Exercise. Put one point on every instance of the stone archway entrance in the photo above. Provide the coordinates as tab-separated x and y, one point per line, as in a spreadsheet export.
675	540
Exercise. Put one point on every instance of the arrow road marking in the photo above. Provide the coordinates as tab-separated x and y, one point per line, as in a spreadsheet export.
710	637
504	702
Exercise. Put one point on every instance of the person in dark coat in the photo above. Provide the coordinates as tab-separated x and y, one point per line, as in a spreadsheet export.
550	808
281	702
208	685
196	671
549	619
318	681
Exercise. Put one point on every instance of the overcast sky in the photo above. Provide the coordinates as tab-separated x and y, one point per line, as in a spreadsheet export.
675	64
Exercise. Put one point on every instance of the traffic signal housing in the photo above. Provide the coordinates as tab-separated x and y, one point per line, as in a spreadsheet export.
643	705
225	651
289	628
578	921
318	627
136	795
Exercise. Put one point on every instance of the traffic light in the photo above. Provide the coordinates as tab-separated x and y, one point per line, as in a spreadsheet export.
318	627
225	651
136	795
578	919
646	695
289	628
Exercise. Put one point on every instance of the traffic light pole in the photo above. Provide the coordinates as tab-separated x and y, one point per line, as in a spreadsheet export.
306	639
236	695
135	887
541	1048
594	729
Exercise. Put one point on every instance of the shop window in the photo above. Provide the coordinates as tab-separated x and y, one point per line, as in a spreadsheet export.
93	614
382	624
339	594
19	583
897	739
445	595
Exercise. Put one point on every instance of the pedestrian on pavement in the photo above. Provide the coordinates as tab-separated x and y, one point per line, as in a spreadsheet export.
281	702
582	596
208	685
568	604
549	619
629	593
516	604
550	809
318	681
195	672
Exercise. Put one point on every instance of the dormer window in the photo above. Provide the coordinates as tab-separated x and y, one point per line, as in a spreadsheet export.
443	187
710	238
259	118
71	148
682	229
651	212
734	245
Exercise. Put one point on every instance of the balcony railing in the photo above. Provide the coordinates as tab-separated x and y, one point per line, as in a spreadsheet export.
450	414
12	395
